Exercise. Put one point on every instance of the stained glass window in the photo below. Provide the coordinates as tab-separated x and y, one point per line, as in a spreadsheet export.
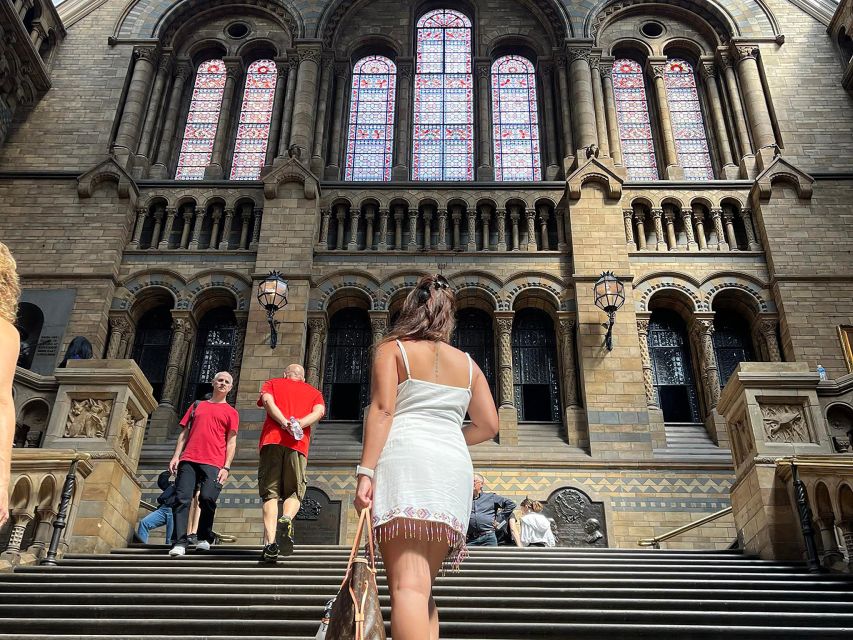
202	119
253	130
443	136
515	126
632	115
688	127
370	137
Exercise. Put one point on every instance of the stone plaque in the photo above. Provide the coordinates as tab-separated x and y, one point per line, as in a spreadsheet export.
48	346
577	520
318	520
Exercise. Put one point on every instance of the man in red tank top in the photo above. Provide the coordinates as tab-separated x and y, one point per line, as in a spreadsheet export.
292	406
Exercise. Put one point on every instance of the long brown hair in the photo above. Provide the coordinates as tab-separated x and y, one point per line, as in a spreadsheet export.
533	505
429	312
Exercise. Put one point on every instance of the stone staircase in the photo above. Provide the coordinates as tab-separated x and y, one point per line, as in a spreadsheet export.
500	594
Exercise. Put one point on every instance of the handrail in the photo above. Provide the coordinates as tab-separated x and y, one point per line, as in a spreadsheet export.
221	537
655	542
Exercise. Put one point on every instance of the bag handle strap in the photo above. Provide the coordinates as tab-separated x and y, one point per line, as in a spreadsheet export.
364	521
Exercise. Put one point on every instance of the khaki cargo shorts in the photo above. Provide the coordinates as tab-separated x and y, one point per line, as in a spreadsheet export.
281	473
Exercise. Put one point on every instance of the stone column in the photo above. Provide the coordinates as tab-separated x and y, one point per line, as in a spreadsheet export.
767	328
846	527
318	160
216	216
755	101
728	221
505	378
606	69
413	229
640	221
287	107
403	128
703	329
717	217
241	319
544	216
354	215
669	218
744	145
245	223
278	101
583	109
167	229
186	226
427	226
181	329
130	125
316	339
442	230
628	218
699	221
141	214
567	353
305	106
500	220
164	151
159	214
369	218
342	90
19	522
565	111
37	35
656	68
224	240
485	169
657	216
378	325
456	216
546	81
687	221
398	227
340	214
830	553
645	357
752	240
233	73
559	217
472	229
323	241
708	69
530	214
598	102
383	230
119	330
514	217
256	229
196	233
163	73
485	219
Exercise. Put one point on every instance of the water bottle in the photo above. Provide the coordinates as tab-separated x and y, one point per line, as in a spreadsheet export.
296	429
821	372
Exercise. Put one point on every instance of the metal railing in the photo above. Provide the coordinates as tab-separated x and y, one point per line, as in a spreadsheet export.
655	542
220	537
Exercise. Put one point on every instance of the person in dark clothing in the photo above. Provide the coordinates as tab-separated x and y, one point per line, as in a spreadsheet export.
78	349
489	514
163	515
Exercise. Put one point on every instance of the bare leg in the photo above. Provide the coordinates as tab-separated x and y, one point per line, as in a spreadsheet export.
195	512
412	565
291	507
270	517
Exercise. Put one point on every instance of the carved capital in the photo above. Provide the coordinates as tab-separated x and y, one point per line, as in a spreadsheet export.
725	59
627	213
311	55
746	52
578	53
233	69
148	54
546	67
643	327
183	70
317	326
657	213
166	62
703	327
504	325
341	70
119	324
560	60
405	70
708	69
656	69
483	71
716	213
605	67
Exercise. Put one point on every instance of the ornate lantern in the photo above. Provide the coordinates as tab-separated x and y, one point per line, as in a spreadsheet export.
272	294
609	297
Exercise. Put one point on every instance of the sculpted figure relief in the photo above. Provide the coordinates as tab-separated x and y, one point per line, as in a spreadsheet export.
88	418
784	423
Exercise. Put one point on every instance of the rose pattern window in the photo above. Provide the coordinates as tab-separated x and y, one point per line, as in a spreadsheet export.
688	126
632	116
515	123
370	136
202	120
253	129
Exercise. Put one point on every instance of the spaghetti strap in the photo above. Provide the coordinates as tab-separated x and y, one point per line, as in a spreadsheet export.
405	359
470	370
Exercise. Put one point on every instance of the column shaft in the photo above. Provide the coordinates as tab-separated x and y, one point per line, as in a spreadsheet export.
164	151
756	103
645	357
485	170
154	105
505	382
598	102
305	106
709	74
226	230
318	159
670	155
287	108
278	102
567	348
338	124
546	80
583	109
744	145
402	131
606	68
316	340
565	111
197	222
135	101
141	214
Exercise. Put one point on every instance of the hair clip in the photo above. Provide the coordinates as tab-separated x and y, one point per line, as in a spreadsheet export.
441	282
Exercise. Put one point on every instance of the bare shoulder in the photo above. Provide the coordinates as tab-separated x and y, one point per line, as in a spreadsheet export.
10	339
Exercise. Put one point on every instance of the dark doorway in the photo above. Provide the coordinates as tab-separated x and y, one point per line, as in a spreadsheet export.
346	379
732	343
534	367
475	335
214	352
672	368
151	347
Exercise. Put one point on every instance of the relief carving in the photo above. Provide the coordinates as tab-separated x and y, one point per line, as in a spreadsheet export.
576	520
128	424
88	418
784	423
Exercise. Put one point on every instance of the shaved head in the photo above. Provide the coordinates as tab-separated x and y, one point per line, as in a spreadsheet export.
295	372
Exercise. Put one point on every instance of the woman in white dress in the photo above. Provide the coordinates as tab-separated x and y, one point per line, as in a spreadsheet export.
415	469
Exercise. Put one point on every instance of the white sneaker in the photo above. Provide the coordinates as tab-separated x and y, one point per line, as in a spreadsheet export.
178	550
202	545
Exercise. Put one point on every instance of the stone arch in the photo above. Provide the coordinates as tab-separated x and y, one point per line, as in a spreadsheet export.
479	288
752	289
702	202
682	286
686	48
522	44
46	497
396	283
839	419
257	49
733	201
673	200
642	201
35	415
21	500
630	47
208	284
369	197
522	288
373	44
323	291
140	285
845	503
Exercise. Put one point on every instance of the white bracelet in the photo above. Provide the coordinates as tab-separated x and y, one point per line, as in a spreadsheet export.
363	471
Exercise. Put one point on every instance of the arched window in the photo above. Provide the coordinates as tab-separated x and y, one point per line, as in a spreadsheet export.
151	346
515	122
370	137
673	372
443	135
214	352
732	344
29	323
253	130
534	367
475	334
688	126
346	379
202	120
632	115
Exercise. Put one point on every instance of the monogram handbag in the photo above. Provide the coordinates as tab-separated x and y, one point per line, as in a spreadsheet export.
355	612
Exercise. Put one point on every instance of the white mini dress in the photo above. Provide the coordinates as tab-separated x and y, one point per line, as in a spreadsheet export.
423	481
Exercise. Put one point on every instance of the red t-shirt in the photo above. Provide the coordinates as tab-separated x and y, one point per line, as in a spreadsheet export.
211	424
293	398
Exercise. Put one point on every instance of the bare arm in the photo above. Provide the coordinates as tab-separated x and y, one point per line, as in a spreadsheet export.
273	411
484	416
230	449
179	447
314	417
10	345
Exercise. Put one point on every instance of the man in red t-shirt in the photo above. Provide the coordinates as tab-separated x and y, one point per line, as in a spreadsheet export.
292	406
209	431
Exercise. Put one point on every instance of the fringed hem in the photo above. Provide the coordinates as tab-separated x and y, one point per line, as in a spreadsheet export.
429	530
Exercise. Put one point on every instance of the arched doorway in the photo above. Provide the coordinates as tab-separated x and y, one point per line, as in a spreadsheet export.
672	368
732	344
214	352
151	346
475	334
346	378
29	324
534	367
